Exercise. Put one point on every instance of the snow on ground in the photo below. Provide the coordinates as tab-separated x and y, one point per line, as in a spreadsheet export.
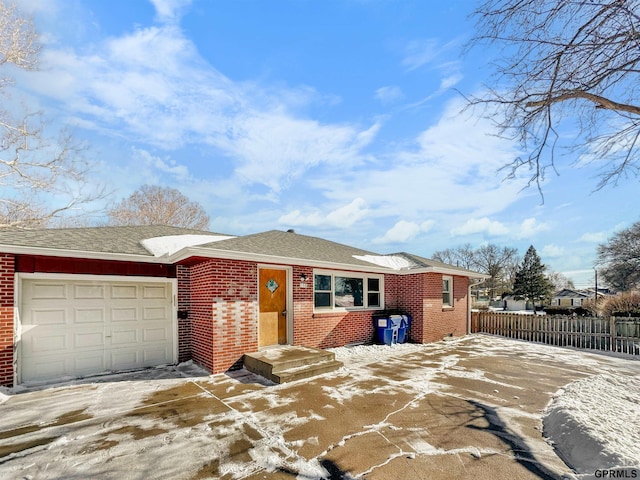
595	422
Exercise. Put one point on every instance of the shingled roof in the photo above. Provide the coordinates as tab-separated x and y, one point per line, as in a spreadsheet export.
273	245
292	245
123	240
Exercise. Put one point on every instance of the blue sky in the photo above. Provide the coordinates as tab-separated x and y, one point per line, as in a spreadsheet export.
340	119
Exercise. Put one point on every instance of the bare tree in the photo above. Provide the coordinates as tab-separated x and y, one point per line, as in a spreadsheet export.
153	205
620	259
499	263
565	61
42	177
495	262
559	281
463	256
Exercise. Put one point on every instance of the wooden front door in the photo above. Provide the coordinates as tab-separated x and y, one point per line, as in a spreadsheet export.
273	305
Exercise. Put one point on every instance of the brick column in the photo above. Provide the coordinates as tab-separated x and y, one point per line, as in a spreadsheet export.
7	275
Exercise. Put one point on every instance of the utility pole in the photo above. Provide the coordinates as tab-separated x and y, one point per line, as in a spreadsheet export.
596	272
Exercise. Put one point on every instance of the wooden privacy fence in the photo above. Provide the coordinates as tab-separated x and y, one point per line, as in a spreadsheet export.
614	334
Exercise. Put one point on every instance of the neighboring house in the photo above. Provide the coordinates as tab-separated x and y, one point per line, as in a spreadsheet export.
510	304
81	301
570	298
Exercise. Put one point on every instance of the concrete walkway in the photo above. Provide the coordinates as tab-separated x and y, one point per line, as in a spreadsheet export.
470	408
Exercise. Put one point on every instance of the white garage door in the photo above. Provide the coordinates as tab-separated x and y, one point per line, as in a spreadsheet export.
72	328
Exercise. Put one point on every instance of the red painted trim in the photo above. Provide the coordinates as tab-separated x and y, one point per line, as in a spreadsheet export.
42	264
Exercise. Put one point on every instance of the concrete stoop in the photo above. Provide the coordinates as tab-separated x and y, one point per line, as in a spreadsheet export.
286	363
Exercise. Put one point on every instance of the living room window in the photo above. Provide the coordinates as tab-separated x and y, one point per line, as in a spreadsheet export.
337	291
447	291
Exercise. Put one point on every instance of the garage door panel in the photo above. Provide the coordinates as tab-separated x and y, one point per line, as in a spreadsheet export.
42	316
154	313
88	340
155	335
124	314
155	356
85	292
124	291
125	359
47	343
124	337
79	327
89	315
47	291
154	292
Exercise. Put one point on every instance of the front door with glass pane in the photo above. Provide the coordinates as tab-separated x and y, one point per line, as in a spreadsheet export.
272	328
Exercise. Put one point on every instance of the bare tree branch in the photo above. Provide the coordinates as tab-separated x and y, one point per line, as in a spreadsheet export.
565	63
43	175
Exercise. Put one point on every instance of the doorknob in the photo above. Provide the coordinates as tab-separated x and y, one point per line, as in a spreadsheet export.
284	312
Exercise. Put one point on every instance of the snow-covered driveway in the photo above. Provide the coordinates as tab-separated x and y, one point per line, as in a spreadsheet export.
467	408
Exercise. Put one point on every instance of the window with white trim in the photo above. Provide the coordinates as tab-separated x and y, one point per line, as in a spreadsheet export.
339	290
447	291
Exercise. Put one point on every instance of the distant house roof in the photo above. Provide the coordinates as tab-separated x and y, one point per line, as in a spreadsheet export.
164	244
569	293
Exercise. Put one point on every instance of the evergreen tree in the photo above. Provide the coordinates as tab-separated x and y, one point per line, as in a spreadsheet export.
531	283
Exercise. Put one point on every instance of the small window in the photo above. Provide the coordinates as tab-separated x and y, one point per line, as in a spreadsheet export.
447	291
322	290
373	289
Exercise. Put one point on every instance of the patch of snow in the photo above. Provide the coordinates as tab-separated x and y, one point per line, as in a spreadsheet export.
395	262
170	244
593	423
4	394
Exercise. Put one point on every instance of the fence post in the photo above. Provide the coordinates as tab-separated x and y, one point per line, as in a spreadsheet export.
612	330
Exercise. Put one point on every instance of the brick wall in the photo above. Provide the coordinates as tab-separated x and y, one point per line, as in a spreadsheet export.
223	312
6	318
421	296
184	304
334	329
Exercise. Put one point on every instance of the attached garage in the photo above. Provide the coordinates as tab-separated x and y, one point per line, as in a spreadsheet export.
71	326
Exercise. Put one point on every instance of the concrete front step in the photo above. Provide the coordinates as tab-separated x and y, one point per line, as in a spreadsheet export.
287	363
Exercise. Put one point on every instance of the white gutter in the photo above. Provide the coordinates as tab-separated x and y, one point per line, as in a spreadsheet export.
50	252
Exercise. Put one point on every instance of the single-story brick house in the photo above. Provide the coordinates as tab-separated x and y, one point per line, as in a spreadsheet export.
81	301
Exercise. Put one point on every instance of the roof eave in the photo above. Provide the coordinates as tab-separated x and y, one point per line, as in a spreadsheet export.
50	252
448	271
213	253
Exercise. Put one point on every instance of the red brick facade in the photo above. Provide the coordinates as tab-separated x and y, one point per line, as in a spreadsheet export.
223	312
7	275
218	308
422	298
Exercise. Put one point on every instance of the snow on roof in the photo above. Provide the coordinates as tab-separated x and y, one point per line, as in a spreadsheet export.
170	244
394	262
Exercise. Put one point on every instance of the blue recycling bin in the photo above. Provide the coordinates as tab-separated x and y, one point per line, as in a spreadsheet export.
392	329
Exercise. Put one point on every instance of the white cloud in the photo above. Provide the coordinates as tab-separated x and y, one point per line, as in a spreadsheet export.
593	237
450	81
530	227
552	251
420	52
172	98
169	10
404	231
388	94
341	217
167	165
481	225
